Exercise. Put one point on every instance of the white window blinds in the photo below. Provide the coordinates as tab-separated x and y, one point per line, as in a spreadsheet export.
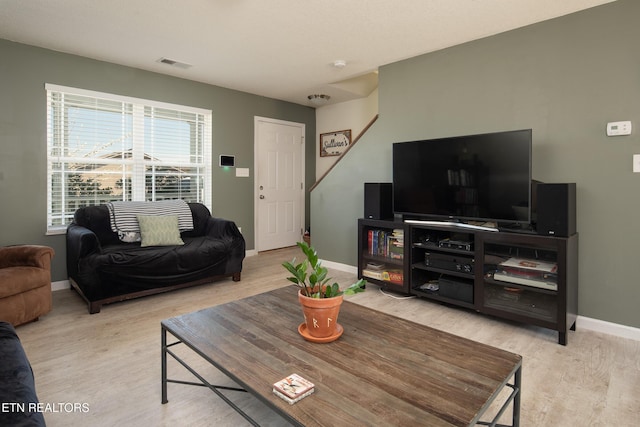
103	147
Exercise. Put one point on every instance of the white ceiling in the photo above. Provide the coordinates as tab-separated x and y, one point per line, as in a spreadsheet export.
283	49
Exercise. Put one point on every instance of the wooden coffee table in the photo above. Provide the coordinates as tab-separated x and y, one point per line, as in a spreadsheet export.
382	371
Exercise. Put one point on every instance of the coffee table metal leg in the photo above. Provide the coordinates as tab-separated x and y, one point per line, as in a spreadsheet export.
203	382
512	400
517	383
163	340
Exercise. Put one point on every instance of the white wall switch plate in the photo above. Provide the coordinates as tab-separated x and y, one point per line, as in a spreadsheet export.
619	128
636	163
242	171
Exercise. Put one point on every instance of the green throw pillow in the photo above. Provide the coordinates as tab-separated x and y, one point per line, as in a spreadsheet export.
159	230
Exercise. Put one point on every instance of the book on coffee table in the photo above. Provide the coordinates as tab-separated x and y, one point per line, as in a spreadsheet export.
293	388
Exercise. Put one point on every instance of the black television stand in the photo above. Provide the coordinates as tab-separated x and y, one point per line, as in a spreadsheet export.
464	267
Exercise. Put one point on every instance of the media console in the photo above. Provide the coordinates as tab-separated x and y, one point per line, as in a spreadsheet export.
526	278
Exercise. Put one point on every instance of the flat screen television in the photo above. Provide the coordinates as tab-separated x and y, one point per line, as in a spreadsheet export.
484	178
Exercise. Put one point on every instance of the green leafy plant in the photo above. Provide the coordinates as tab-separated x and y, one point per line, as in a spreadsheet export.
311	277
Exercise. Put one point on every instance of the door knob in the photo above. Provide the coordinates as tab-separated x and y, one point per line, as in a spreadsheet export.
261	196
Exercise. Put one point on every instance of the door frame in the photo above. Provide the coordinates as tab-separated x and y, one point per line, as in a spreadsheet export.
303	200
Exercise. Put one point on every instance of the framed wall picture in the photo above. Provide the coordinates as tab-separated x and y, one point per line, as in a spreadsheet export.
334	143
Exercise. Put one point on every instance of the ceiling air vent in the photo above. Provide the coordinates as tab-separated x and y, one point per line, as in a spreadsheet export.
174	63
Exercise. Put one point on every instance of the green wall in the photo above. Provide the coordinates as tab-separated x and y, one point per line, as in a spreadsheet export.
564	78
24	70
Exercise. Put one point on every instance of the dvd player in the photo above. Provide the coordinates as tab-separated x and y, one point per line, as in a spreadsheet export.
456	244
449	262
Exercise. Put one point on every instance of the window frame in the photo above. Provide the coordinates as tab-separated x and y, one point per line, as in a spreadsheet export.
139	111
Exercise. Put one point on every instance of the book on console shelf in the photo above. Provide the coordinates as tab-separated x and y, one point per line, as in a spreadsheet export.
504	276
386	243
293	388
528	272
393	276
374	266
527	265
372	274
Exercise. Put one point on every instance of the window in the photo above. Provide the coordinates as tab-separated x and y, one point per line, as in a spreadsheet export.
103	148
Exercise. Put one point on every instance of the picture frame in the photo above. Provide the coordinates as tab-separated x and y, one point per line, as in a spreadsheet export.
334	143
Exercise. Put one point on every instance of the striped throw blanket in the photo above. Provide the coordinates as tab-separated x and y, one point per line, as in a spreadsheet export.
124	216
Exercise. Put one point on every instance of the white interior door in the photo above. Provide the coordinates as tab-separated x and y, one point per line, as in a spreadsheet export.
279	183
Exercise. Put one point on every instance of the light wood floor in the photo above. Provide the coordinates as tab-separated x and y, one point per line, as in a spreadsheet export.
111	361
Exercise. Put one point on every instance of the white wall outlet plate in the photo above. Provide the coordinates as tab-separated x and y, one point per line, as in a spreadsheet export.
244	172
619	128
636	163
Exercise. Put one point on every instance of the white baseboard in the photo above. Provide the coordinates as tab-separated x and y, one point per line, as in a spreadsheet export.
610	328
582	322
340	267
58	286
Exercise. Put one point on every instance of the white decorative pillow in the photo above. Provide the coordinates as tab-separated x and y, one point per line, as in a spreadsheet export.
159	230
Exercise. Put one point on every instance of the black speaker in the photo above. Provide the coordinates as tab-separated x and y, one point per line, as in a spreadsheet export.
556	207
378	202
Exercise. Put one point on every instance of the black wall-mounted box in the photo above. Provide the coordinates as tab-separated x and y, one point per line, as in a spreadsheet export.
227	161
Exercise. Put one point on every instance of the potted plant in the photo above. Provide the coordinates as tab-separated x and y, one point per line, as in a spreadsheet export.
320	300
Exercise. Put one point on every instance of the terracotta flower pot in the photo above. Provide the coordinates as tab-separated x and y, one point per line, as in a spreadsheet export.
320	315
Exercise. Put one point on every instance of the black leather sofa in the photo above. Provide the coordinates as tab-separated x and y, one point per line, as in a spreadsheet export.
17	384
104	269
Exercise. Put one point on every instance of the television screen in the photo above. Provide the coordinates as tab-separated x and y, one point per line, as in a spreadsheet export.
469	178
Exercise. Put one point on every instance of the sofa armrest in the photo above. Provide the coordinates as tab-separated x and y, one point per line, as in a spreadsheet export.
221	228
26	255
227	231
80	242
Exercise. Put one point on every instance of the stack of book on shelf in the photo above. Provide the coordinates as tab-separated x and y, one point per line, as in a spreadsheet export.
386	243
293	388
373	270
380	271
538	274
393	276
